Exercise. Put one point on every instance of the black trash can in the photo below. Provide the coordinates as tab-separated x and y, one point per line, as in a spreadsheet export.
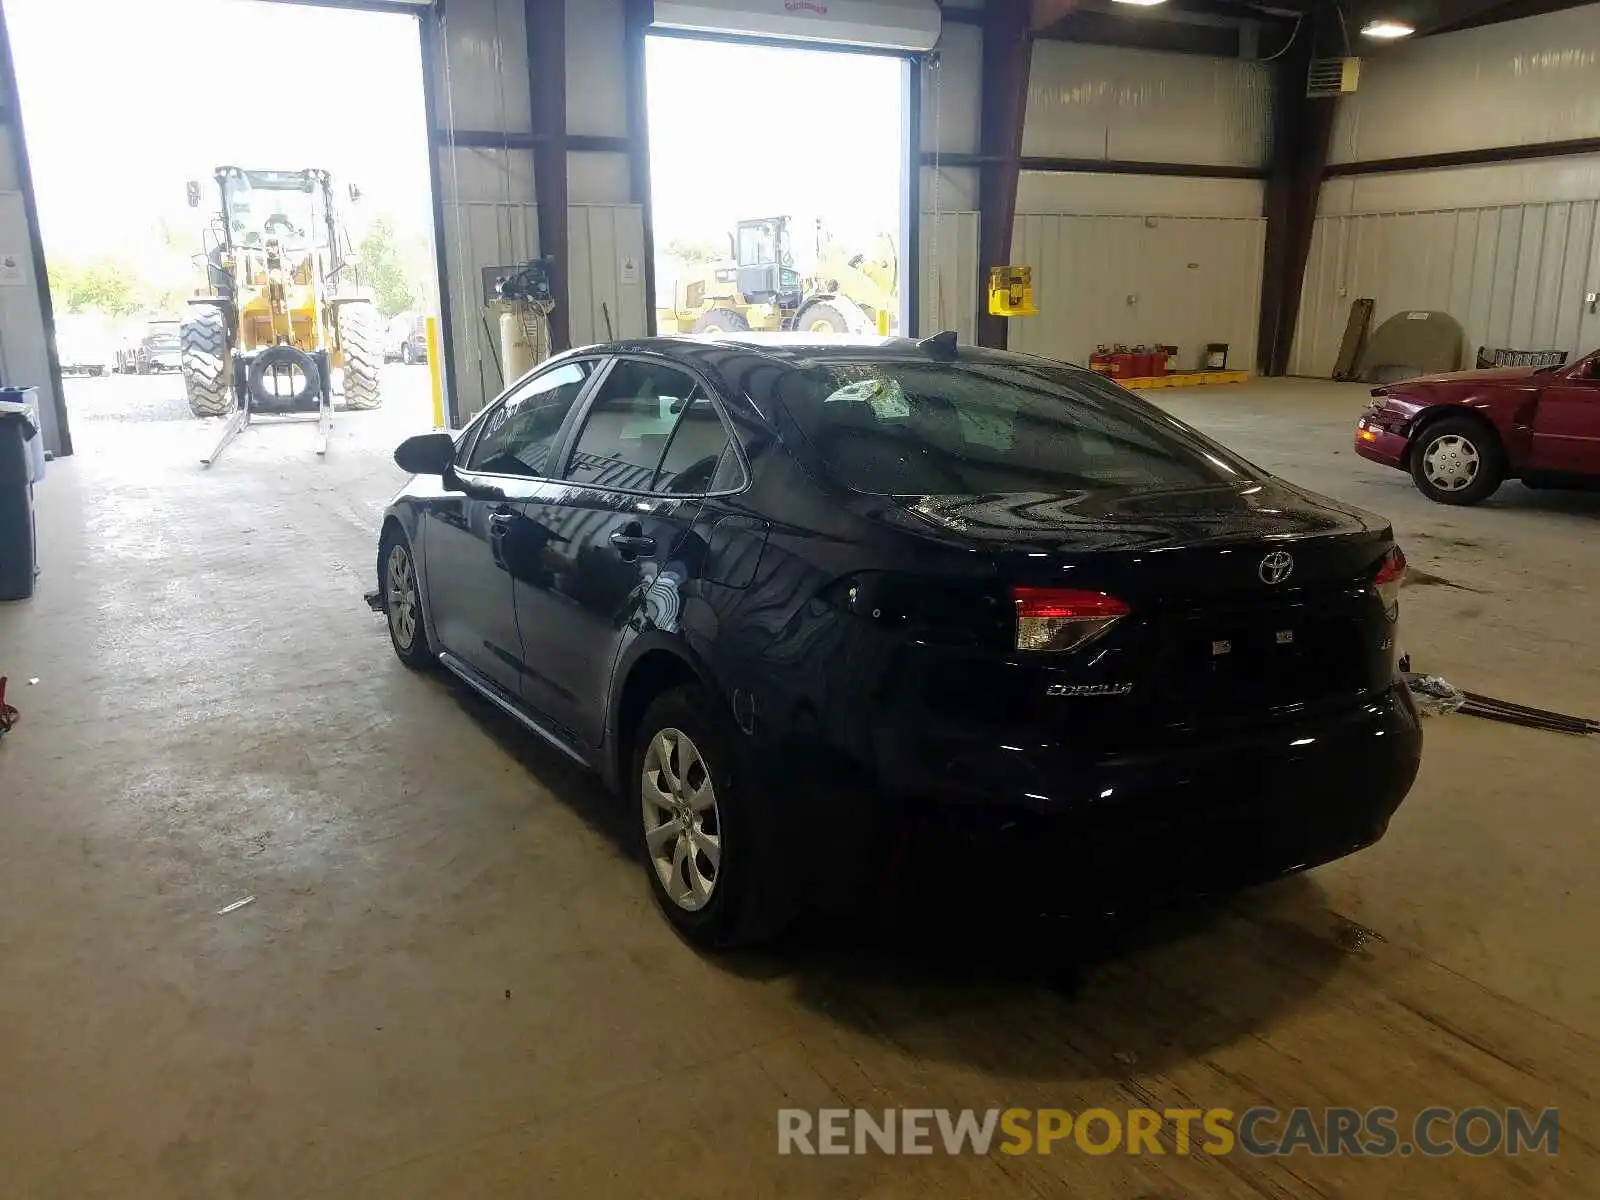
17	556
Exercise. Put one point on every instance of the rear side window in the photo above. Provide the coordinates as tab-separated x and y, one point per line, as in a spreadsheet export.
922	428
699	445
518	436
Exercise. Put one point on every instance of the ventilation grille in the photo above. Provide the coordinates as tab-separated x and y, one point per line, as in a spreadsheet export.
1333	77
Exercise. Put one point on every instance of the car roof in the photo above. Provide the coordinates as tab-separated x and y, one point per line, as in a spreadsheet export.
796	349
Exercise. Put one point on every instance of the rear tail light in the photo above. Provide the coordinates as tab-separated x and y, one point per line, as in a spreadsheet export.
1063	618
1391	574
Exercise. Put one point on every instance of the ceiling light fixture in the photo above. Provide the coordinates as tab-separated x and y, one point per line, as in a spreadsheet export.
1140	3
1384	29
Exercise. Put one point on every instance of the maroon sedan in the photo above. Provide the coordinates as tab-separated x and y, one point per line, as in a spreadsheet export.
1462	434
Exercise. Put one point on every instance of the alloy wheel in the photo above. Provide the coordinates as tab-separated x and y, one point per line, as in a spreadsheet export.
402	598
1451	463
682	827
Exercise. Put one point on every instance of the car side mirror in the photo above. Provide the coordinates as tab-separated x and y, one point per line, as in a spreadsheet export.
426	454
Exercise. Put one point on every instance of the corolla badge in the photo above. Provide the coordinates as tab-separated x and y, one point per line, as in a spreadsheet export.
1089	689
1276	567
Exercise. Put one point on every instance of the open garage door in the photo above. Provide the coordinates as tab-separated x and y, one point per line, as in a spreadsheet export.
894	26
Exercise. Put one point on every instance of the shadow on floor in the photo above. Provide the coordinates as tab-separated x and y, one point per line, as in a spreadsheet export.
941	975
1516	496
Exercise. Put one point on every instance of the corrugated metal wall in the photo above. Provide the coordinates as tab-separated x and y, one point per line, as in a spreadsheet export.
1513	264
606	245
1534	80
608	266
1109	102
490	216
1515	276
948	268
1184	281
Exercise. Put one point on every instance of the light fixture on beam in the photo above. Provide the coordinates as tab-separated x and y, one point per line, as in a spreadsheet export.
1140	3
1386	29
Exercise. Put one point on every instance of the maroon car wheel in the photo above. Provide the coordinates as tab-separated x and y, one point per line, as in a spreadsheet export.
1457	461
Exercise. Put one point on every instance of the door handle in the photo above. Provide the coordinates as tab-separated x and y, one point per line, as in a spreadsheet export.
631	541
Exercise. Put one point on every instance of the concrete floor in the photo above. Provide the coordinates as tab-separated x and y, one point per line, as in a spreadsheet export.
451	980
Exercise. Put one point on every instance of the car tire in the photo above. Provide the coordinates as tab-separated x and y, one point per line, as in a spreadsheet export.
684	735
402	602
1457	461
406	356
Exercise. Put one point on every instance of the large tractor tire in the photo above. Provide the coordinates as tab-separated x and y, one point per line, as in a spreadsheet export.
721	320
826	317
362	343
203	339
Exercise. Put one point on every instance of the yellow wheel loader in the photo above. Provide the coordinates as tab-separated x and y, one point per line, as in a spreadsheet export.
280	309
760	288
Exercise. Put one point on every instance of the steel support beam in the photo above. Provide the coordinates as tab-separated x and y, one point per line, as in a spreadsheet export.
637	16
1302	130
428	34
1007	59
1484	156
547	91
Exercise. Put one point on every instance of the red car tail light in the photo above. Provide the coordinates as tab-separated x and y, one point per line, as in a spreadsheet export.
1391	574
1063	618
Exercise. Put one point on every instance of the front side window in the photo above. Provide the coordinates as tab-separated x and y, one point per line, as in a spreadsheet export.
629	423
518	436
976	428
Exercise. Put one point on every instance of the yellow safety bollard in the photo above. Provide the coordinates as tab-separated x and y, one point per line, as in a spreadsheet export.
435	370
883	322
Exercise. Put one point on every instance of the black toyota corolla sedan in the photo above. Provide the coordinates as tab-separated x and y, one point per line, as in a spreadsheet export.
790	595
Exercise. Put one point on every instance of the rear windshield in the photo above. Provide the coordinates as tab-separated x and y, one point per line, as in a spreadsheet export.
977	428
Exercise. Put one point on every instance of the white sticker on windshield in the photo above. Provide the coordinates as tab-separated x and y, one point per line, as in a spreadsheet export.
884	396
890	404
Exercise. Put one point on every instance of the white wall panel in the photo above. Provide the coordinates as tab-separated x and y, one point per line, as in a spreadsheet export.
947	265
597	76
603	240
1514	276
473	173
1535	80
1137	195
951	91
1532	182
594	177
950	189
488	233
480	234
8	168
1174	280
482	66
1110	102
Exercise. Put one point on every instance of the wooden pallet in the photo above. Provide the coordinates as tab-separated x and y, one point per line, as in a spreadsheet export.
1185	379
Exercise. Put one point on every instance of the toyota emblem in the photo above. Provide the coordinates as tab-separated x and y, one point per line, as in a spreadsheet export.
1276	567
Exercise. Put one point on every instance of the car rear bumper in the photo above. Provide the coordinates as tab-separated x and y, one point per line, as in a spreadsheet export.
1064	830
1380	445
